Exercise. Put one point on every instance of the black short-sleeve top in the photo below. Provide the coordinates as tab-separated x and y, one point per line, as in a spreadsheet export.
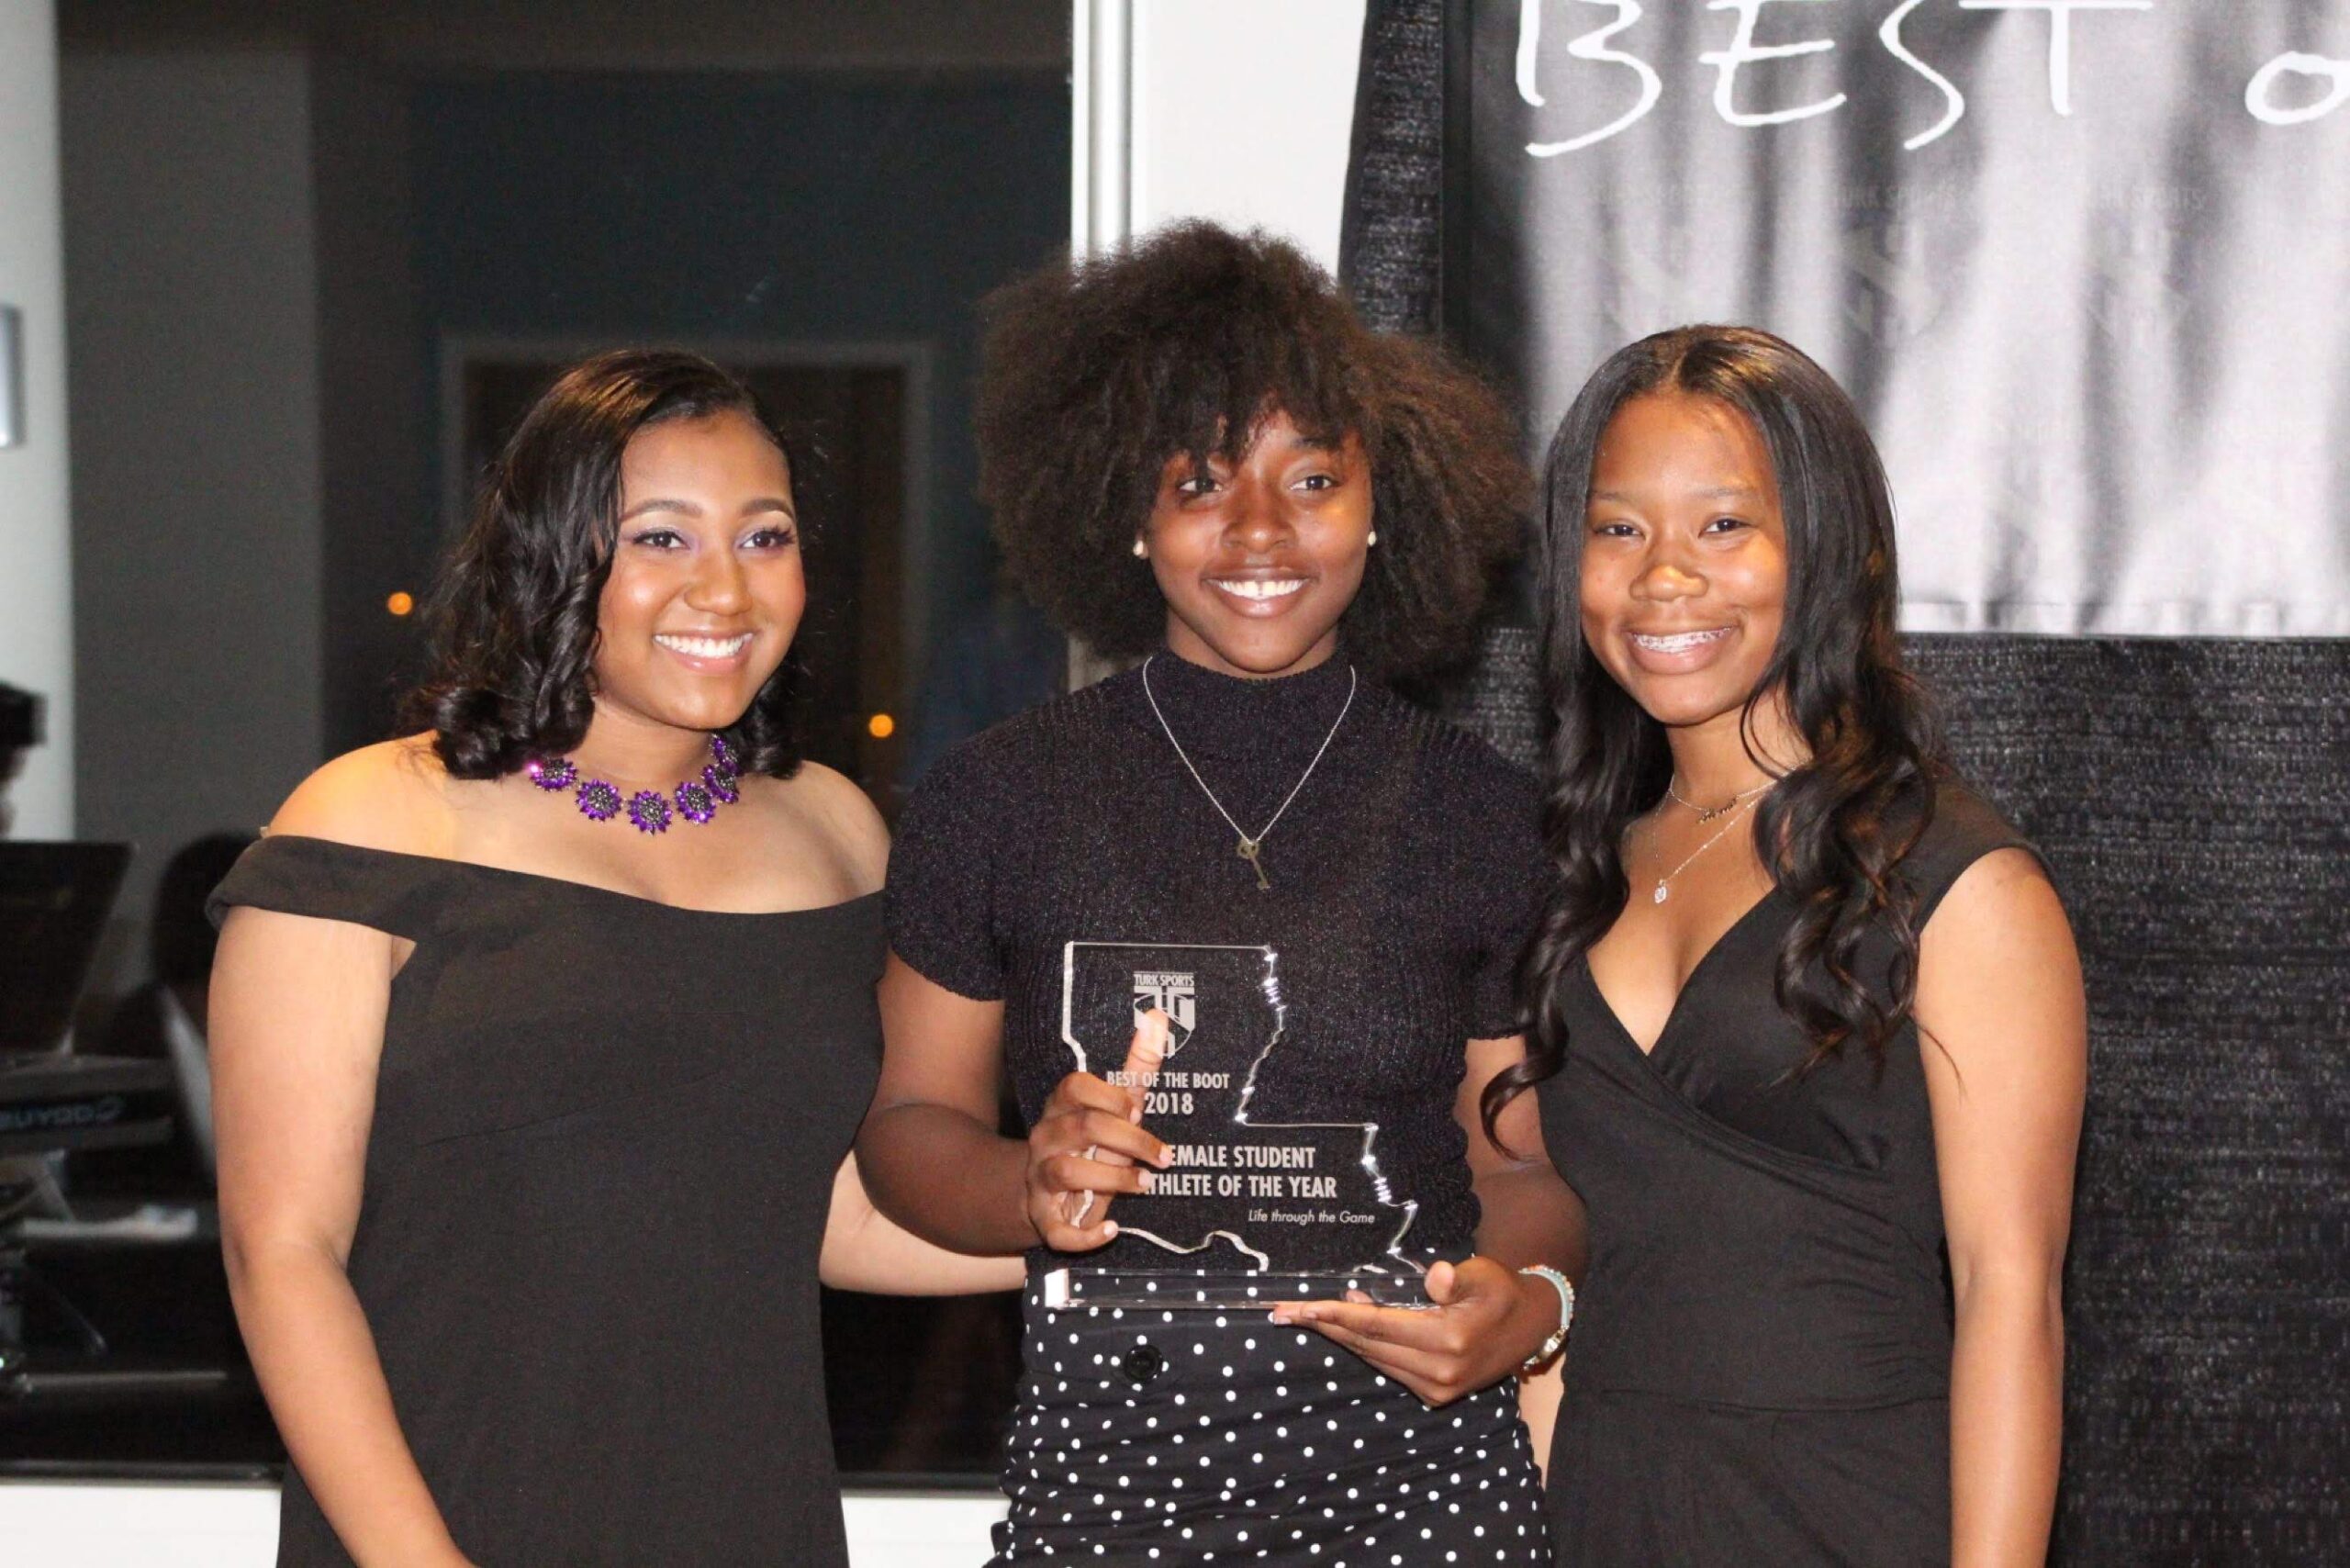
1405	876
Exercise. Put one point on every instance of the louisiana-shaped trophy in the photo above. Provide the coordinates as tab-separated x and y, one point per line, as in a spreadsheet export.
1255	1206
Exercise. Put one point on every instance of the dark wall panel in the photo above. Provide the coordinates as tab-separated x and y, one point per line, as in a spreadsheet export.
836	208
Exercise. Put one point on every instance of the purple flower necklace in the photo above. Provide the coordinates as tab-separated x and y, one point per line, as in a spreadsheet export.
599	800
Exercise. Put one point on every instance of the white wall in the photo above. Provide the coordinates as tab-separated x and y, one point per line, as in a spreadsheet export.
36	576
191	1524
192	236
1239	110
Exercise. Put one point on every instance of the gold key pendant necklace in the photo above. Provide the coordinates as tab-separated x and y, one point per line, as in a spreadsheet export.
1249	846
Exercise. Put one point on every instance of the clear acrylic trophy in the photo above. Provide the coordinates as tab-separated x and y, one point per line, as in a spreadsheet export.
1253	1208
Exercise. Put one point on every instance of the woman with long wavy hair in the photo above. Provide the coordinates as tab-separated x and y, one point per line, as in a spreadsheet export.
1806	1016
540	1035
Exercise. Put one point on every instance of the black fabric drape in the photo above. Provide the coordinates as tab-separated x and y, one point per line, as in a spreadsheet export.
2192	795
1391	236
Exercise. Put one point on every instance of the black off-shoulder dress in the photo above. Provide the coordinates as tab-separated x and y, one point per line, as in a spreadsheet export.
596	1179
1404	877
1760	1368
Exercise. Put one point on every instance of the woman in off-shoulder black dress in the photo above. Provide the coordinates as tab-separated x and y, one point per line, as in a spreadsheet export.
1809	1028
598	1171
539	1038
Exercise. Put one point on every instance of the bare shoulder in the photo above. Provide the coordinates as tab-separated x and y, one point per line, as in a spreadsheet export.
837	809
392	795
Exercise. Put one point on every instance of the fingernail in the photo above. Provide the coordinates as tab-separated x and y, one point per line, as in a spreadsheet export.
1164	1157
1109	1227
1146	1181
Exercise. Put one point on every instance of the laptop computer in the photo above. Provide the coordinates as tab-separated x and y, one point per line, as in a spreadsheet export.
54	899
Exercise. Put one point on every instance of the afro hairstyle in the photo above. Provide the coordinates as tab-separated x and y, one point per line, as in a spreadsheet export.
1095	374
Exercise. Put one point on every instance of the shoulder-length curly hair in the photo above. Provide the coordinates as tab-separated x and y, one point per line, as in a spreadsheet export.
1094	374
1837	827
513	618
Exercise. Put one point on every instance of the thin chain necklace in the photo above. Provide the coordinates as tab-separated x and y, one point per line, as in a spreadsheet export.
1663	890
1249	846
1707	814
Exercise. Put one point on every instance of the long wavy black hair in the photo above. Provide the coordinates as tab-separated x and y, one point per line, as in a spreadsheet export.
1095	371
513	618
1836	828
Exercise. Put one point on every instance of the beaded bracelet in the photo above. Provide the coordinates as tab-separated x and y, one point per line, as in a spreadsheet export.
1558	1338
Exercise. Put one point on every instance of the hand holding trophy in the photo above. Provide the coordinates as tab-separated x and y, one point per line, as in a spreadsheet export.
1474	1330
1243	1203
1084	1148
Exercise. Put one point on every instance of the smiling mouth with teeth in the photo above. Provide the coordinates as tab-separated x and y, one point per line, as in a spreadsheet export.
703	647
1260	587
1680	642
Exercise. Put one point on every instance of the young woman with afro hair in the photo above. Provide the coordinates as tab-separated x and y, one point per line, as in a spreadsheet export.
1200	461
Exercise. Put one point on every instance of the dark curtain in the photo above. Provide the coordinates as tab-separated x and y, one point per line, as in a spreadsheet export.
2191	795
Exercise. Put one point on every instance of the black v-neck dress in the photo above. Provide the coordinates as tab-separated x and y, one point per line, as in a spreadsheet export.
597	1180
1760	1366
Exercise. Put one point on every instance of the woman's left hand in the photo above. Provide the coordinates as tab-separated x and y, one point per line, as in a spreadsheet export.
1487	1319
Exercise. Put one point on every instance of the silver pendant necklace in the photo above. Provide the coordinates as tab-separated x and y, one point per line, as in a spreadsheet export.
1249	846
1663	890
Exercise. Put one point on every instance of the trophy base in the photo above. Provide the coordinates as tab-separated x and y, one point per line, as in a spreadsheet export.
1231	1291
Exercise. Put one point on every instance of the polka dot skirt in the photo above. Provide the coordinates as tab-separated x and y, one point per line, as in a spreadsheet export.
1148	1437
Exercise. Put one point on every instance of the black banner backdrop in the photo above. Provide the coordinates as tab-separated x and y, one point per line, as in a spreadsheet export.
2106	341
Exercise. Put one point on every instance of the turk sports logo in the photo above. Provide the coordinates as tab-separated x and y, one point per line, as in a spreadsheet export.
1173	993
